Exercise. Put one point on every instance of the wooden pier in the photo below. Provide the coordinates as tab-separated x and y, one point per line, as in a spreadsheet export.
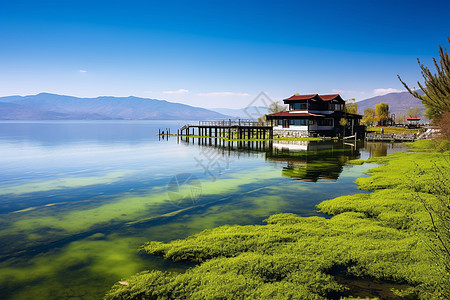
391	137
239	129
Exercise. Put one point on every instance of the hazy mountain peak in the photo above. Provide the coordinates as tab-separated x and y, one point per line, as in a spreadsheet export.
398	102
52	106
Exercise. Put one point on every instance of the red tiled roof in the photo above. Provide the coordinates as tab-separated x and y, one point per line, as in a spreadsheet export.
293	114
314	96
329	97
301	97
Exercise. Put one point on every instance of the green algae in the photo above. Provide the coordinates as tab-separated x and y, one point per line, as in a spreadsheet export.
51	223
378	236
64	183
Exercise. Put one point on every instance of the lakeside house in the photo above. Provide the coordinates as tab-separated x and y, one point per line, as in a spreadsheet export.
314	114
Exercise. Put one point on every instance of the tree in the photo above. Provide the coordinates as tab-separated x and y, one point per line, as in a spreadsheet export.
262	119
351	106
343	122
413	112
400	118
381	112
432	113
369	116
276	107
436	86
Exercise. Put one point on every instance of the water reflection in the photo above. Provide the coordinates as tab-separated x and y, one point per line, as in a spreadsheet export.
300	160
311	161
382	149
78	199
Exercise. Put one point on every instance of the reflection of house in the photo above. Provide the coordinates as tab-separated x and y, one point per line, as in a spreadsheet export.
315	114
311	161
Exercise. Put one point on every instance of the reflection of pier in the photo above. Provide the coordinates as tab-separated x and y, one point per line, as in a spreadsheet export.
230	145
240	129
300	160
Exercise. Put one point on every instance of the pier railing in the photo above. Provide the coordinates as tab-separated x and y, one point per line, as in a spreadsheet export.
391	137
231	123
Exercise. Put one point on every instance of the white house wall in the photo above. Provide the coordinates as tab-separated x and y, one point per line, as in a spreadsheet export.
291	127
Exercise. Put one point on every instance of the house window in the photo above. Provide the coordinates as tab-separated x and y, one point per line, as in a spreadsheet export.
299	106
298	122
325	122
280	122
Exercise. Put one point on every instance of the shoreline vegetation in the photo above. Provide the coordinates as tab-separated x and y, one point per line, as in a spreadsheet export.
384	238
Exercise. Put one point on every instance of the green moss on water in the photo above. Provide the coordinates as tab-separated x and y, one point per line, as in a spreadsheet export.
71	220
64	183
378	236
429	145
356	162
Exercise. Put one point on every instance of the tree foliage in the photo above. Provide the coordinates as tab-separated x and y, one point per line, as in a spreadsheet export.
276	107
400	118
436	86
351	106
413	112
343	121
381	112
369	116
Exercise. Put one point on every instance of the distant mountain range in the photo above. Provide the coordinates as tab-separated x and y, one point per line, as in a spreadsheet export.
47	106
250	112
399	103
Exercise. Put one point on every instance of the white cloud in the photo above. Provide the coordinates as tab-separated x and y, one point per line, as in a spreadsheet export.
380	92
180	91
347	92
82	71
223	94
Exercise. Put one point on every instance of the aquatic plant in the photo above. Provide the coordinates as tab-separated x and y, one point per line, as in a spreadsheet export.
380	236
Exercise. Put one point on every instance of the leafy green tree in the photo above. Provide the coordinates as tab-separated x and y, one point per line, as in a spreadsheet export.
381	112
276	107
343	122
351	106
436	86
432	113
413	112
369	116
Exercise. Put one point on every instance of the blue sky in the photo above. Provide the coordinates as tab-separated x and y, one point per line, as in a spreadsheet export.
216	53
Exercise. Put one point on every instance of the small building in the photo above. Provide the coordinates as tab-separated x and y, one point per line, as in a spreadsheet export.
315	114
412	122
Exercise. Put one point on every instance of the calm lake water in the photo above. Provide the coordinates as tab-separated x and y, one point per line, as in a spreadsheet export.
77	199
